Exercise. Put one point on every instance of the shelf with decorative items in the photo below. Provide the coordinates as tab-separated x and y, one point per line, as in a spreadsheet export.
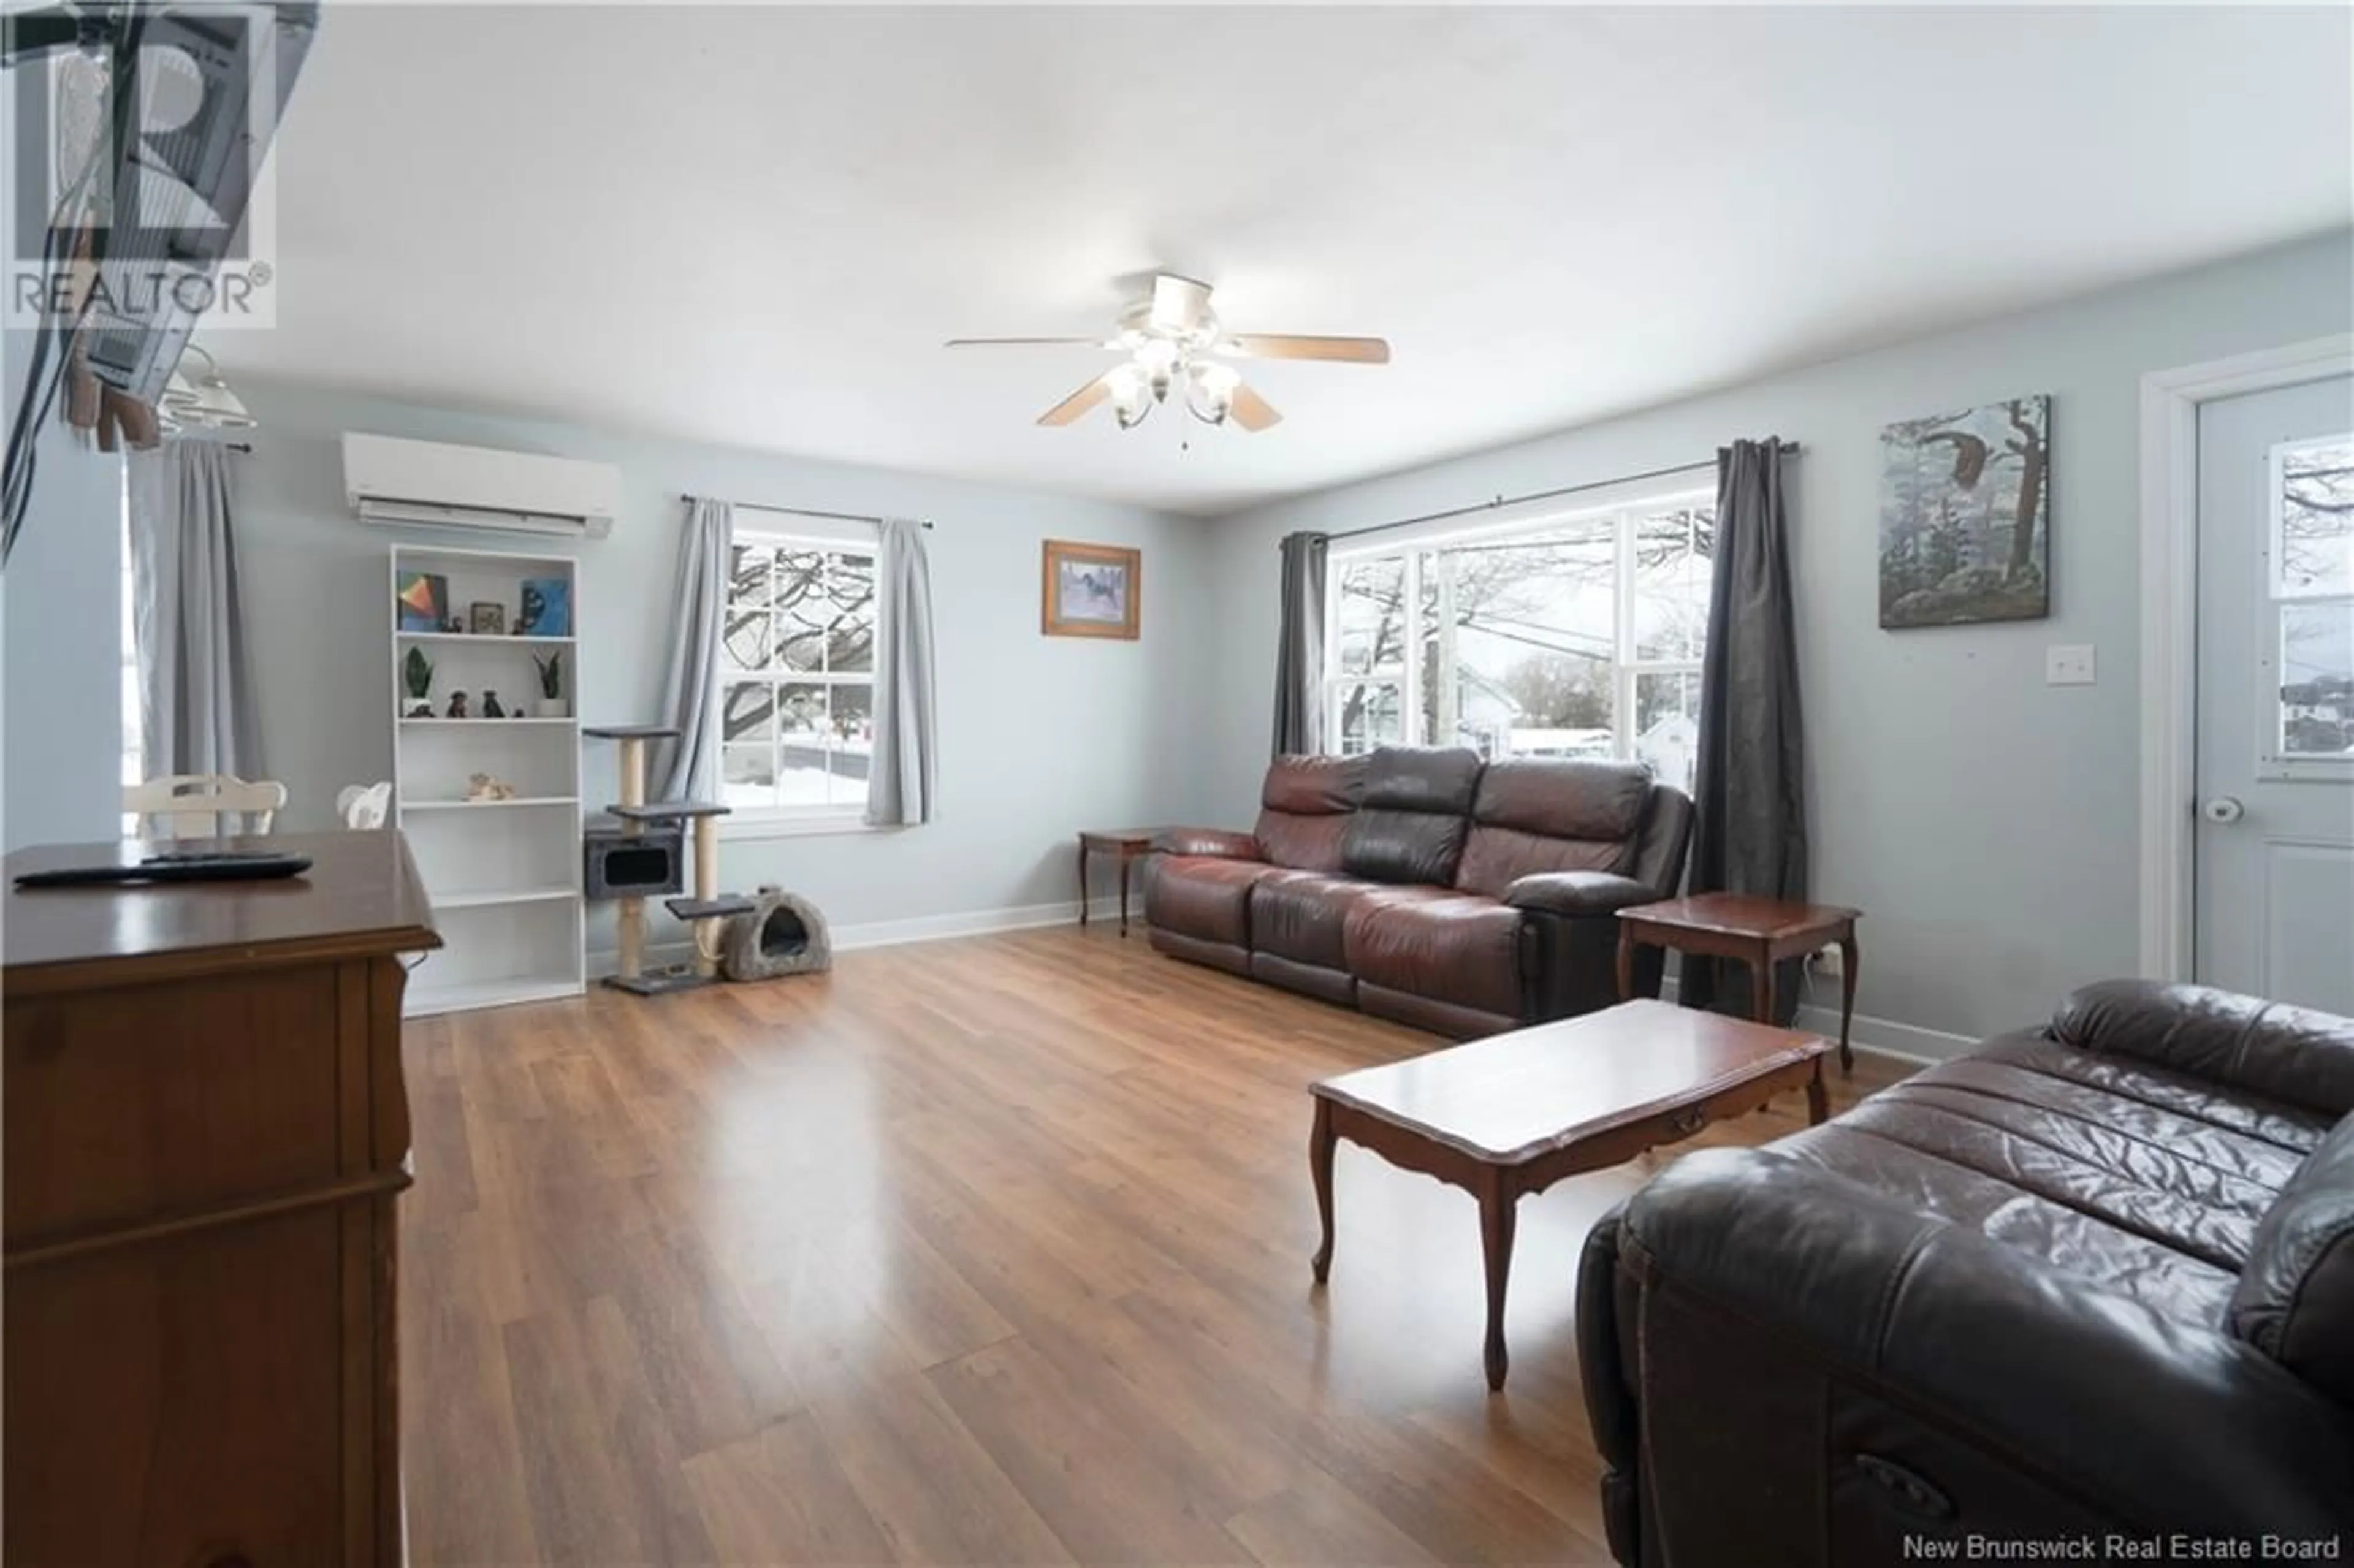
486	768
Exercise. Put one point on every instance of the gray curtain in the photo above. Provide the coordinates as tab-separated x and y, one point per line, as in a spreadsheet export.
196	702
1749	820
688	770
901	787
1299	647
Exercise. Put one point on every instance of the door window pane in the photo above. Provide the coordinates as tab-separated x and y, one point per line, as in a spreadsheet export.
1371	616
2316	553
2316	694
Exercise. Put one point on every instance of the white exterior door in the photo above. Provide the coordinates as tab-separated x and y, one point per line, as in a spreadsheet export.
2275	726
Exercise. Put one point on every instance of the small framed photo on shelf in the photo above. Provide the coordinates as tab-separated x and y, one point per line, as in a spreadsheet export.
1090	591
484	619
420	601
547	608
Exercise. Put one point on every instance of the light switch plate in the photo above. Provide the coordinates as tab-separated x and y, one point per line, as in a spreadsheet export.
2068	665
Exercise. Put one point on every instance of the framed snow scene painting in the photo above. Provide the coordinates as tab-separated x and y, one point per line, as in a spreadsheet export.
1090	591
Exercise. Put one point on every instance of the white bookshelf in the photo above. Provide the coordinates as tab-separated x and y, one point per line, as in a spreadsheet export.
503	875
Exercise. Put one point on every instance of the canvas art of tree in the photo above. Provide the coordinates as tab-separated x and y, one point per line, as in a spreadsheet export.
1965	515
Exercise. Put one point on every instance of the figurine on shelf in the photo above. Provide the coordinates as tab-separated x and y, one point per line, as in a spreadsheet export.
451	623
491	708
488	787
457	706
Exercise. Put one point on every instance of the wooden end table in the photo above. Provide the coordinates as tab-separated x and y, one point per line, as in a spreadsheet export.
1759	932
1514	1114
1128	846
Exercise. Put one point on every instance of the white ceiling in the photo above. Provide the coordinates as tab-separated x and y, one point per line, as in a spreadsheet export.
754	225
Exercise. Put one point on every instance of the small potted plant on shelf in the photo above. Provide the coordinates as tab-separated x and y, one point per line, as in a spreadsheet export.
551	704
417	674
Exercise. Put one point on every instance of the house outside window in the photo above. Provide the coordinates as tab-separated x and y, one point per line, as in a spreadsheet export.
797	673
1559	635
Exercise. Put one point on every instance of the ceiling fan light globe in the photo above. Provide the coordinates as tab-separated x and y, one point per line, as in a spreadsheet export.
1218	381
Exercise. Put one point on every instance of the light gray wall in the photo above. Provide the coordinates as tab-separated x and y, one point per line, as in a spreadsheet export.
1985	822
60	735
1039	735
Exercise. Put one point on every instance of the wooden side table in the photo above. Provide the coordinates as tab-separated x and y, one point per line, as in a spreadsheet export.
1126	845
1759	932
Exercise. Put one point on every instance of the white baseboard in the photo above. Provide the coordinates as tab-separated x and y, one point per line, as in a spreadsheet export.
1881	1036
976	923
1884	1036
921	929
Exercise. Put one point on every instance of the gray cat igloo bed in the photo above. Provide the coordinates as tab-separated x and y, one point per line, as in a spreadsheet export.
783	935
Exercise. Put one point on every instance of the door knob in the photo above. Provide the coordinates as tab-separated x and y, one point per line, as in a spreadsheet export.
2224	810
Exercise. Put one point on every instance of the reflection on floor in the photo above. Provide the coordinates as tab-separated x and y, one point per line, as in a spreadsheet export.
991	1251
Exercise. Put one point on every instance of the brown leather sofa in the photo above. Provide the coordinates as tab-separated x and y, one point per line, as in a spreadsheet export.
1425	885
2091	1282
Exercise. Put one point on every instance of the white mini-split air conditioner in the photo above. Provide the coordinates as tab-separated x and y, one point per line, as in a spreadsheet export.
430	484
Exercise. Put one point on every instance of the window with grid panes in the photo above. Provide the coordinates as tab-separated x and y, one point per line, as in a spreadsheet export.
797	675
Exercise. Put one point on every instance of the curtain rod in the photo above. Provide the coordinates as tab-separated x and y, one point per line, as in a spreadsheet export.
1499	502
806	512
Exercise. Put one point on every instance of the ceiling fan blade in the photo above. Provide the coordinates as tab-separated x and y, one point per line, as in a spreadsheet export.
1079	402
1250	410
1178	304
1291	345
1023	341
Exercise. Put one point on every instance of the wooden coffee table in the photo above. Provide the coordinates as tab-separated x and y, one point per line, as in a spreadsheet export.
1759	932
1514	1114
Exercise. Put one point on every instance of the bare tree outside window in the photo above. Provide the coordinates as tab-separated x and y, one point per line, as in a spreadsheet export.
798	692
1579	639
2314	594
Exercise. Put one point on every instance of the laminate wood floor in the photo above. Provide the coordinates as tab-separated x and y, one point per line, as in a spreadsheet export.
991	1251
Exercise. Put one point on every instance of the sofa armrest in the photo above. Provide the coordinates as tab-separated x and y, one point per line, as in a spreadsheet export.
1577	893
2156	1422
2267	1047
1214	842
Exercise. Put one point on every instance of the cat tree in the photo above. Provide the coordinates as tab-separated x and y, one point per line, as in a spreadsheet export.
706	912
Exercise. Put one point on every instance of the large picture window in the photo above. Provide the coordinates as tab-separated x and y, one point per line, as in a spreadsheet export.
1575	635
797	675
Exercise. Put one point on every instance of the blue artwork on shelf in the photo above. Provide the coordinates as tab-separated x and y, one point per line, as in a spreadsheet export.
547	610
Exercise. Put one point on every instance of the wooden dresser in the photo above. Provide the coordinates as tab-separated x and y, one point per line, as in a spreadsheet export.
206	1130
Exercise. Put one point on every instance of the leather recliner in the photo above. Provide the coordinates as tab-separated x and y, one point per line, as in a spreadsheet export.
2089	1284
1428	886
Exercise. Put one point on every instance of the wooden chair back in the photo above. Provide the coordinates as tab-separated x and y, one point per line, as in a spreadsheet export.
200	805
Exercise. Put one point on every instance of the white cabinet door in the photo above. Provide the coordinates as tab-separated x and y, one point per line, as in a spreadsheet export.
2275	764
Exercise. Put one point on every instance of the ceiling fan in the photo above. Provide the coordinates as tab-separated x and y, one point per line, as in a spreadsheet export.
1174	339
